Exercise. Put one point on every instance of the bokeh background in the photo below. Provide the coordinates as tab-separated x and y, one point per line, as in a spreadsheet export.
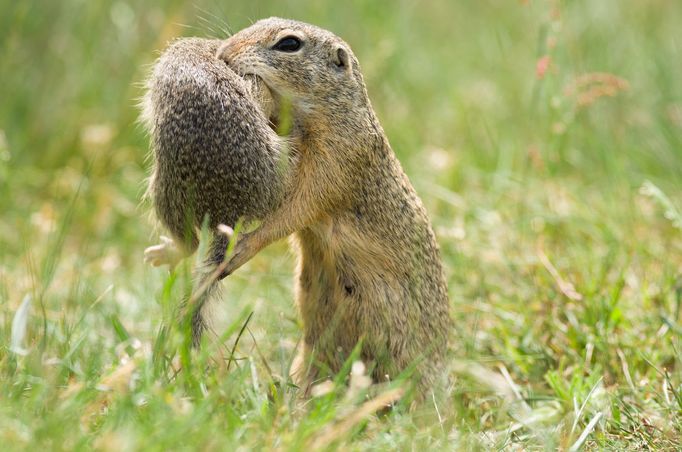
545	138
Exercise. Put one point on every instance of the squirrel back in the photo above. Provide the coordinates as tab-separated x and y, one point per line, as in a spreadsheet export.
214	155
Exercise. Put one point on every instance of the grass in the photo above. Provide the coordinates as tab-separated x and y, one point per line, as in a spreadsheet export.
545	138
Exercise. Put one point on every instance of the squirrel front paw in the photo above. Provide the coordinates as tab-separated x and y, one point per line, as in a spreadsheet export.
165	253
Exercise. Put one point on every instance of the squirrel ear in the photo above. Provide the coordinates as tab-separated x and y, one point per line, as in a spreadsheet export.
341	59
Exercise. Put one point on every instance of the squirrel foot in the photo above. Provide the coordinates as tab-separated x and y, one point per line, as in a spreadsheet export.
165	253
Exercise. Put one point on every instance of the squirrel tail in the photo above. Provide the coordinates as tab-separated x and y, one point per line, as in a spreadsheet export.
206	287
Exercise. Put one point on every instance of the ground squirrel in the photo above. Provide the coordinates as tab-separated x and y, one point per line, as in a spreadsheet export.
214	156
369	268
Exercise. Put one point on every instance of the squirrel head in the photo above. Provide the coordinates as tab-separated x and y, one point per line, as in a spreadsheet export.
308	66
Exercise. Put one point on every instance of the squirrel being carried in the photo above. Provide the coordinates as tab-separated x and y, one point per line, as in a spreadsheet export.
369	269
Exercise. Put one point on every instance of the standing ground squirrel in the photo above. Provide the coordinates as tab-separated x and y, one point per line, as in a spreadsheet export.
369	268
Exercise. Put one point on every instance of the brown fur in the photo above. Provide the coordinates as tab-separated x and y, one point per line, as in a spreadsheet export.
214	156
369	266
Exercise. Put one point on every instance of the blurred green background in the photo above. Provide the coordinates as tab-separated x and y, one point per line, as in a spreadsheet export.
545	138
453	76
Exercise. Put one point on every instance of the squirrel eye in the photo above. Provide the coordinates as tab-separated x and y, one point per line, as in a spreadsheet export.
288	44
